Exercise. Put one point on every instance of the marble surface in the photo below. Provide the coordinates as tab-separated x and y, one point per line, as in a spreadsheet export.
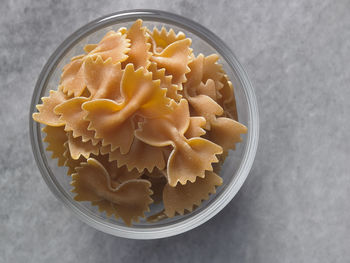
294	206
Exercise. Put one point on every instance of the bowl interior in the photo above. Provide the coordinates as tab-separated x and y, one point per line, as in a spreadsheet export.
56	176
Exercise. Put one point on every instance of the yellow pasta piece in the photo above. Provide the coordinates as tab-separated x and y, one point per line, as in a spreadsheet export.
160	132
72	115
138	54
206	107
140	156
79	148
103	78
175	58
72	78
195	129
184	197
190	158
226	132
227	90
131	199
113	45
118	174
188	164
211	69
56	137
106	206
70	163
165	82
223	131
195	75
46	113
204	77
227	99
89	47
112	121
207	89
163	38
102	117
203	97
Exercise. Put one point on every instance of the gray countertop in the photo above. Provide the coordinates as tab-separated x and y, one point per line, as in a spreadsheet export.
294	206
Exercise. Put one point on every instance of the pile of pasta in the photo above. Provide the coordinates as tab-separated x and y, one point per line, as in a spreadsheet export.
137	119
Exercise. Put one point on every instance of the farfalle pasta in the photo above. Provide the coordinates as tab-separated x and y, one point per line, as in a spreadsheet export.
140	119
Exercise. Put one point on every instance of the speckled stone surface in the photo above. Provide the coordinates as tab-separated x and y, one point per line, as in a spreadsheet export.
294	206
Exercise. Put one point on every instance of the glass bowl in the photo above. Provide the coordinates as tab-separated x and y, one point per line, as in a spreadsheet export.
235	168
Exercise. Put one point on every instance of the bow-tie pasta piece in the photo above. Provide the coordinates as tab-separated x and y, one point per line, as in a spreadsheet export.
208	89
141	156
227	99
163	38
196	127
70	163
190	158
205	77
108	122
166	82
137	195
226	132
122	174
89	47
194	76
160	132
130	199
72	115
72	78
112	122
223	131
143	93
212	69
190	164
206	107
106	206
138	54
175	58
79	148
56	138
46	114
118	174
180	198
113	45
103	78
227	94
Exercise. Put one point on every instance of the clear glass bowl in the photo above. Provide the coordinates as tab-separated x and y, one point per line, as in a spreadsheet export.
236	166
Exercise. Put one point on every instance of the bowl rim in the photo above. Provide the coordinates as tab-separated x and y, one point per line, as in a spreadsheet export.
252	136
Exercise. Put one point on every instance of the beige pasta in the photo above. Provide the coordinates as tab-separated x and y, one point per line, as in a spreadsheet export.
140	119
